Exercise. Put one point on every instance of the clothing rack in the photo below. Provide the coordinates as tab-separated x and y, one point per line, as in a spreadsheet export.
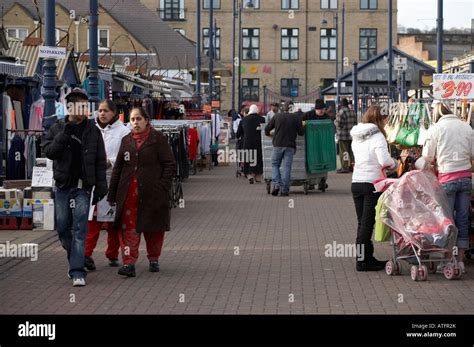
25	133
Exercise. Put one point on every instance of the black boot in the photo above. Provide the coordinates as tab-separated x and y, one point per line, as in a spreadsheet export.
154	266
369	263
114	262
127	270
89	263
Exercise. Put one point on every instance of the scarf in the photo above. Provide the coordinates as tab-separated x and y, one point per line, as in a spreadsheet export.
140	138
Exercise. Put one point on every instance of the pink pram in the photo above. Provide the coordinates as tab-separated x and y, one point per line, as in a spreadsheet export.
416	209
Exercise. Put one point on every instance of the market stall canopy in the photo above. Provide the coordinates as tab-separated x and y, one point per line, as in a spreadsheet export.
28	54
374	73
9	67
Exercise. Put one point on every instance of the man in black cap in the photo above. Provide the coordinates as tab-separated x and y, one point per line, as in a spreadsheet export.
346	119
318	113
76	146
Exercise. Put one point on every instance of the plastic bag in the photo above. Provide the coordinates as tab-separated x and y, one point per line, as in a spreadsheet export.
418	209
382	231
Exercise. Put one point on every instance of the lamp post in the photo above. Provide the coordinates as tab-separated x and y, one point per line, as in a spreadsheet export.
336	24
249	4
233	52
198	52
211	49
94	54
439	38
49	68
390	51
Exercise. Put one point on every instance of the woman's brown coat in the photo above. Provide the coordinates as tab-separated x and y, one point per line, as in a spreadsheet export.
155	166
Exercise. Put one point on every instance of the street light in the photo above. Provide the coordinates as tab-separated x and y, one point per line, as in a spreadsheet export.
325	22
248	4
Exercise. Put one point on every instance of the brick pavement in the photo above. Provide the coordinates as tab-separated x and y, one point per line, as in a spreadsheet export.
280	266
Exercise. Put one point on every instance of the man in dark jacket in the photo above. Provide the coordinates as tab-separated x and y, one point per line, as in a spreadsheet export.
286	126
346	119
318	113
79	165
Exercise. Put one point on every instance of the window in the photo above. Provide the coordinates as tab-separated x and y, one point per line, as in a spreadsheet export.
290	87
368	4
251	44
328	44
367	43
289	44
255	3
181	31
103	39
215	4
289	4
328	3
172	10
216	43
250	89
17	33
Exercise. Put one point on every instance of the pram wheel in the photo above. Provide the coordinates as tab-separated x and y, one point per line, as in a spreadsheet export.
419	273
448	271
392	268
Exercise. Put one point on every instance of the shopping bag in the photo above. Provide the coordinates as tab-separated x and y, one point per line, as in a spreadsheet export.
392	127
408	134
382	231
425	124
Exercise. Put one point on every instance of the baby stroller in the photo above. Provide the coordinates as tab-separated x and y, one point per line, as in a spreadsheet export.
416	209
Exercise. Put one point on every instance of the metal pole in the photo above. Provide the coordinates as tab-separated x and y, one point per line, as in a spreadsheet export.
211	50
233	53
471	66
355	86
403	86
390	49
198	51
240	58
439	38
337	62
94	54
342	33
49	67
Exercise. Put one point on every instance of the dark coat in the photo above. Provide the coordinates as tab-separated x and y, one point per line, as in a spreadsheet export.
155	166
251	135
57	147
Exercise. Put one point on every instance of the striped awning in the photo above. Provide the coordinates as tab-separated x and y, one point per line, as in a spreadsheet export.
11	69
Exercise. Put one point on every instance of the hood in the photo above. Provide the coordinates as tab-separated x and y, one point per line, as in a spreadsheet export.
364	131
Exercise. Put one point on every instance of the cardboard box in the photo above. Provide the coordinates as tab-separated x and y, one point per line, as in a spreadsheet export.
11	207
42	193
20	184
43	214
11	194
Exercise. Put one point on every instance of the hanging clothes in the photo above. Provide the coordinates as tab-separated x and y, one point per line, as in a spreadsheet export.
193	143
16	159
205	140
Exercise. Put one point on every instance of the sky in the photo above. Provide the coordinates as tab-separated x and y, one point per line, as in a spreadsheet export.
422	13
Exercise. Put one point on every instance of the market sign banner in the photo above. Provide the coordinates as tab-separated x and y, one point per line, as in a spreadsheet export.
52	52
453	86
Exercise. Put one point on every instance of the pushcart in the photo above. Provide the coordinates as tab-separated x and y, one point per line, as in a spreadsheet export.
299	175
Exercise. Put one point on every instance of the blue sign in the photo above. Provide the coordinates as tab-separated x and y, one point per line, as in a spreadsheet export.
294	91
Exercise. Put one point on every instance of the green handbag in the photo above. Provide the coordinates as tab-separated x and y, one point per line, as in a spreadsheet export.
382	231
409	132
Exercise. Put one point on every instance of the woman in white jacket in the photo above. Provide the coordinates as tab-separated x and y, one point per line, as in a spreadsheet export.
450	146
113	131
372	157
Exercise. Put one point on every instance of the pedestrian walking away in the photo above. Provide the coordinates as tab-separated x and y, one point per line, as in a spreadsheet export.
285	127
250	132
346	119
113	131
371	159
77	149
139	187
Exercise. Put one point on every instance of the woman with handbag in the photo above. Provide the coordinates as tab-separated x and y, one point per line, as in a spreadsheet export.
372	157
140	185
449	145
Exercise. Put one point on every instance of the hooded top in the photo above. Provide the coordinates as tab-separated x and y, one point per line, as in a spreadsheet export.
370	153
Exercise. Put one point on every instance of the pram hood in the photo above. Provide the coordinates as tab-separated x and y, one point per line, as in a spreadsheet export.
417	207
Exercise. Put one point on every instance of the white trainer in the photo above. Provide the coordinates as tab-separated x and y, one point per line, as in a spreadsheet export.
78	282
462	267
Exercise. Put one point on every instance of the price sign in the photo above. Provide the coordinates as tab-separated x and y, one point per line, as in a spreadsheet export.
207	109
42	177
453	86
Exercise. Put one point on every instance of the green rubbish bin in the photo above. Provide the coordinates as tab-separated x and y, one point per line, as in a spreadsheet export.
320	146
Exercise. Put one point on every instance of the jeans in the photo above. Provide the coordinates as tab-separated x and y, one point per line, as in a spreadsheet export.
365	201
72	212
285	155
459	197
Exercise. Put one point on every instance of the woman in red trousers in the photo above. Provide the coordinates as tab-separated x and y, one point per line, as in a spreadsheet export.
113	131
140	184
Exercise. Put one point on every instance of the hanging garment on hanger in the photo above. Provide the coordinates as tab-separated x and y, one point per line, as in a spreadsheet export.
16	159
193	143
18	115
205	140
36	115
